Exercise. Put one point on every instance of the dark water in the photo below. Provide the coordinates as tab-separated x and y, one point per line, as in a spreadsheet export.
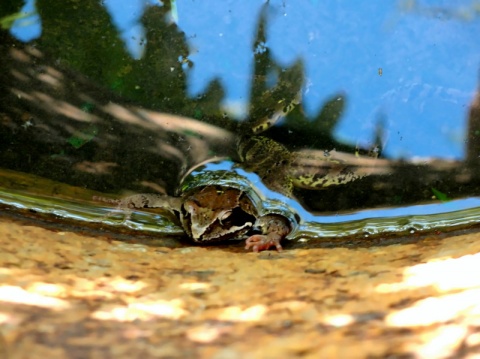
126	97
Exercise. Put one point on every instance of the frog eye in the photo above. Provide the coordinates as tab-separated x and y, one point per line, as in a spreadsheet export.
224	215
191	207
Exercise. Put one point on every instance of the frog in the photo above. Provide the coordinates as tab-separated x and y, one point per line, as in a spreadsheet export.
224	205
216	205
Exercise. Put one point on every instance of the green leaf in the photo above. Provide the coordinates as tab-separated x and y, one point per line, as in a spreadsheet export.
81	138
6	22
440	195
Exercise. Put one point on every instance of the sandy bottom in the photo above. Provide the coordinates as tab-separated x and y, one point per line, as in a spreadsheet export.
69	295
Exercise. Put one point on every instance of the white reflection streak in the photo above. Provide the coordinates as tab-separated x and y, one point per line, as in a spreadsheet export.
172	309
441	343
237	314
438	310
13	294
179	124
444	275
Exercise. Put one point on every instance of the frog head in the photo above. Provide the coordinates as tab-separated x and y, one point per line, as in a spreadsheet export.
217	213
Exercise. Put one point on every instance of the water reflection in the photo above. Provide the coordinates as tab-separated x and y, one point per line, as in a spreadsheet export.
309	226
77	108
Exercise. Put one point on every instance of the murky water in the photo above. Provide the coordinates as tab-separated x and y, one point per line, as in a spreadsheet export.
127	97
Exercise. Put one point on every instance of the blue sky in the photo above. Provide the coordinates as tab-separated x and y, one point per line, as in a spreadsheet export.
429	59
